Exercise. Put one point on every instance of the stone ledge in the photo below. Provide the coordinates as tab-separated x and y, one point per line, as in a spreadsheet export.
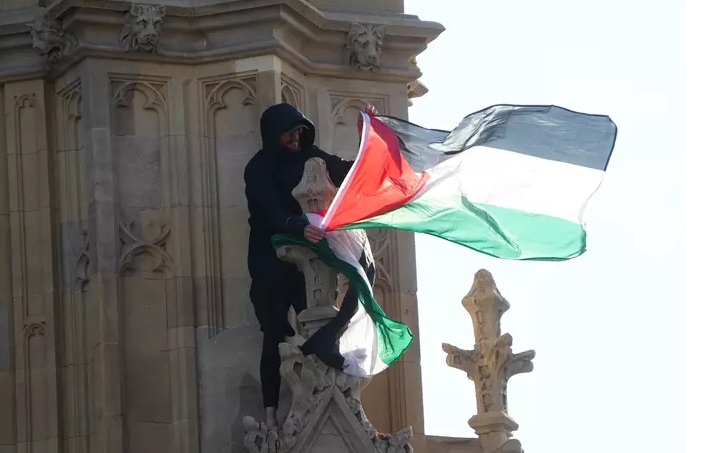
444	444
309	39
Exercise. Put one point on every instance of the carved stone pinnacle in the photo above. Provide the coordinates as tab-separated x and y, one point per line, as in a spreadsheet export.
314	193
490	364
486	306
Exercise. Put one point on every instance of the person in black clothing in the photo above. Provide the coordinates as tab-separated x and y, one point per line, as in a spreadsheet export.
276	285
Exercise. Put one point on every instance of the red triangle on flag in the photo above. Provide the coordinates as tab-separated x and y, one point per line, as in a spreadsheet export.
380	180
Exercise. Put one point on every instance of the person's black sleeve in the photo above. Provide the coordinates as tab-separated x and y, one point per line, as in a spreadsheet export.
338	168
264	202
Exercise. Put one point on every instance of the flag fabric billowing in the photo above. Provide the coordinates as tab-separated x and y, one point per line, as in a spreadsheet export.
509	181
371	341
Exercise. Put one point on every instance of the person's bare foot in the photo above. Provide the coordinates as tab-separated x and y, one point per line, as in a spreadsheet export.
271	420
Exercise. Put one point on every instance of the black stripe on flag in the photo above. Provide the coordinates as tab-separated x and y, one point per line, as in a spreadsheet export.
548	132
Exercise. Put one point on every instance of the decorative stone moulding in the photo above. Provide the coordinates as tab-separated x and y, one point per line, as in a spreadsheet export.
312	40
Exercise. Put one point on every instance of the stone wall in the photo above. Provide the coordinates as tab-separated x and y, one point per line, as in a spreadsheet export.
125	323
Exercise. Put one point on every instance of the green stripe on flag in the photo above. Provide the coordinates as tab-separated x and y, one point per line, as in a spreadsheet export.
393	337
495	231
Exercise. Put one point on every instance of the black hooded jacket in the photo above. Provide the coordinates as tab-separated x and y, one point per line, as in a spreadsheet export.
271	175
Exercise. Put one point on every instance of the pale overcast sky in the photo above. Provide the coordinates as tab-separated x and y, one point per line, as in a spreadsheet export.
608	326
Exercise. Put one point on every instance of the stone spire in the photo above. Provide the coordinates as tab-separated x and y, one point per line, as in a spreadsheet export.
490	364
326	413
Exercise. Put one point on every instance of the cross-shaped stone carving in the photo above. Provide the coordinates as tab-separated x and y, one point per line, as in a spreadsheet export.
490	364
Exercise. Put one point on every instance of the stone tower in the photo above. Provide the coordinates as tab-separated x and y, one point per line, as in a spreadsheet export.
125	324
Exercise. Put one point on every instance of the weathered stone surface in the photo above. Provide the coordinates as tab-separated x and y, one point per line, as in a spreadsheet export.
229	386
5	324
50	39
194	31
326	412
123	222
440	444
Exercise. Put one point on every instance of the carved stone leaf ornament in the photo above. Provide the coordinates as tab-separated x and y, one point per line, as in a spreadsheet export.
51	40
142	31
363	47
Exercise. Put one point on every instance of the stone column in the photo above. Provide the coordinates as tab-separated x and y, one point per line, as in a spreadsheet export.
490	364
326	413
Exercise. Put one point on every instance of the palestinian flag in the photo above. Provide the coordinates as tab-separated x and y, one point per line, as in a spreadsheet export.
371	341
509	181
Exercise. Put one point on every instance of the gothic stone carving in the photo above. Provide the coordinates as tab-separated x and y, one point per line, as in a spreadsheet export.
51	40
490	364
141	33
363	46
82	263
321	287
315	386
314	193
133	246
292	92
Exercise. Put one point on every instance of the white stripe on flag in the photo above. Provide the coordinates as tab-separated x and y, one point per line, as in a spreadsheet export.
359	342
516	181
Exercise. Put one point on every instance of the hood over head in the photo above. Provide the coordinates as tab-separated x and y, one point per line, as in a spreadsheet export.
283	117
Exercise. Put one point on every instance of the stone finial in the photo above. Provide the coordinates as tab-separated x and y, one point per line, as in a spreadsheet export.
363	47
143	28
51	40
320	287
490	364
315	191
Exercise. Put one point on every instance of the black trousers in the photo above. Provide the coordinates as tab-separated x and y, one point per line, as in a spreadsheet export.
273	293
